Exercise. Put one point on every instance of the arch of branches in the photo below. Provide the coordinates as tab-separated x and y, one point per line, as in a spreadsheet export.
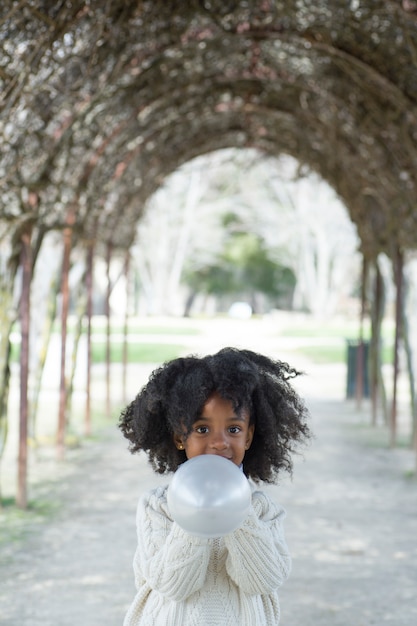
100	101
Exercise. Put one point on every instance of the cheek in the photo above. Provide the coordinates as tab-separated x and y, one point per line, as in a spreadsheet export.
193	444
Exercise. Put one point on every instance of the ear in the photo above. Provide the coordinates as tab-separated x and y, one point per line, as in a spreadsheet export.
179	442
249	436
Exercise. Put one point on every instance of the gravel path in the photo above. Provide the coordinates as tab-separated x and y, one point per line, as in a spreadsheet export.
351	526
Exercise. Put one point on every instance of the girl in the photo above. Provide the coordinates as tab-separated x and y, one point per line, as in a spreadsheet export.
240	405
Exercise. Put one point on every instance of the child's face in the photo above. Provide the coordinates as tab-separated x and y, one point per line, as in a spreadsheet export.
219	430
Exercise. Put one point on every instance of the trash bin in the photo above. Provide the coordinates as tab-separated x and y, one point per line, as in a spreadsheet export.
353	347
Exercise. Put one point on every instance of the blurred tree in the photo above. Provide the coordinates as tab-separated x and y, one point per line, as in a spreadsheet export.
243	271
308	241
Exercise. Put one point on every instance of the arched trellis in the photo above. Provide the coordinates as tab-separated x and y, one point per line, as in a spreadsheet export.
100	103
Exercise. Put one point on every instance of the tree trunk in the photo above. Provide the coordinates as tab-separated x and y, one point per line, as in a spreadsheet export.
26	264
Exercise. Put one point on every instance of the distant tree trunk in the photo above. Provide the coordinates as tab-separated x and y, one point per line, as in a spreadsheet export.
60	439
409	356
5	353
26	264
360	357
78	329
108	329
89	286
49	324
126	330
189	302
182	242
3	399
415	437
398	277
377	380
8	316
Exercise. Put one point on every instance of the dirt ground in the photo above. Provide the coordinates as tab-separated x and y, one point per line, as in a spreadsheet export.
351	525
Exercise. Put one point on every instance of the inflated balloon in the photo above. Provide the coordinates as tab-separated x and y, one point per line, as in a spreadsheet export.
209	496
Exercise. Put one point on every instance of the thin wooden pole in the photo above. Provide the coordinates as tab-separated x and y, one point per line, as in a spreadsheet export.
375	344
360	357
398	276
108	331
89	287
126	330
378	389
60	438
26	265
408	349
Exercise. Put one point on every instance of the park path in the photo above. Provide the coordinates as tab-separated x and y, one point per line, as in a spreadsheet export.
351	526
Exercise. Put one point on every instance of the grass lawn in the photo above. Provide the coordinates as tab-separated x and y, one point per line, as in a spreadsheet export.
325	342
137	352
322	354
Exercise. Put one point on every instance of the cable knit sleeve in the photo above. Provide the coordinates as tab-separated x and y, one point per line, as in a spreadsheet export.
258	560
169	559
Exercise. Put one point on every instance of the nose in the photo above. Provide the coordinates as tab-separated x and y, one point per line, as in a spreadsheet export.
219	441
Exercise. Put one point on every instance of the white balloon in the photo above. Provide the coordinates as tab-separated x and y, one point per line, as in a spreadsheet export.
209	496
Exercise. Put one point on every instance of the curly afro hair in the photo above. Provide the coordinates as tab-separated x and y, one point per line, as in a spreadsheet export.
176	392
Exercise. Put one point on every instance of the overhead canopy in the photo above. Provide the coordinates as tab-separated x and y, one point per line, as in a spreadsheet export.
100	101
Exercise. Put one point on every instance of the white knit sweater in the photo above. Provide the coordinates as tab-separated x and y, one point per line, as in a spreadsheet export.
183	580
